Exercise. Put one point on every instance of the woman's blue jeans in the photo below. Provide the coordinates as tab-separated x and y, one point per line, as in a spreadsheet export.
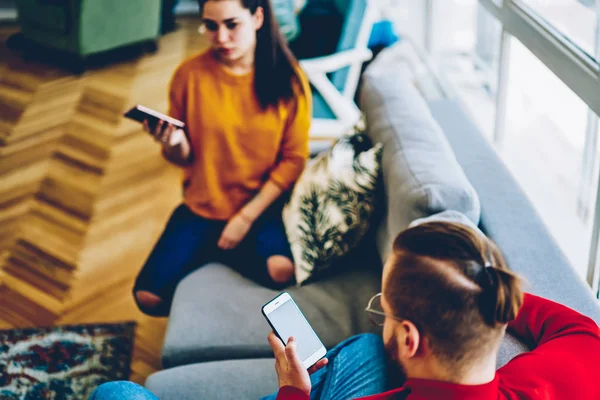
189	241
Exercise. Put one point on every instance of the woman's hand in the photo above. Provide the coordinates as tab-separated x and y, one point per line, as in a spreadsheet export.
162	132
235	230
289	367
173	140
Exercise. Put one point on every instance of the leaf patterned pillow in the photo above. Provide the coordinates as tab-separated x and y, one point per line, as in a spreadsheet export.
331	205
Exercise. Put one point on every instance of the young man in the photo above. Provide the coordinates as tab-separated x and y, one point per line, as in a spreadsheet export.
447	299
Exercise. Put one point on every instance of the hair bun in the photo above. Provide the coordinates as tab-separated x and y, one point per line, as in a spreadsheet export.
501	297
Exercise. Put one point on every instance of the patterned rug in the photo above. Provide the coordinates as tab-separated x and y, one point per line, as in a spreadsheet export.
63	362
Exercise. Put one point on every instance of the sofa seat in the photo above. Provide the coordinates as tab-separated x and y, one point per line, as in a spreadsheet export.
217	380
216	312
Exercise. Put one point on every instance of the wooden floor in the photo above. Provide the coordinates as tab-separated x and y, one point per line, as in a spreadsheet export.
83	194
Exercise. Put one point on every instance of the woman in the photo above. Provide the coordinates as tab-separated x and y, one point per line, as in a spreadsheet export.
247	110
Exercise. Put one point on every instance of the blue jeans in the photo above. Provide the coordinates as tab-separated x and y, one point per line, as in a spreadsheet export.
190	241
357	367
122	390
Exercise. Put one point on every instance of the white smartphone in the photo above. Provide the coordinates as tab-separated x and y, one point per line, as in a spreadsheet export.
286	319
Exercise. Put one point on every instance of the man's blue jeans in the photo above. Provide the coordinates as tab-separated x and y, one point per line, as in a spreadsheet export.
357	367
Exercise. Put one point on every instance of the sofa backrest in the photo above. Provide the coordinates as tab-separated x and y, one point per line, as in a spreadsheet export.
421	175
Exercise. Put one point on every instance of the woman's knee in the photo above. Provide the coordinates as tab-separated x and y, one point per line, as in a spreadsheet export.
149	303
121	390
281	268
147	299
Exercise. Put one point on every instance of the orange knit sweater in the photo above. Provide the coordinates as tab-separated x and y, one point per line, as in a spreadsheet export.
236	145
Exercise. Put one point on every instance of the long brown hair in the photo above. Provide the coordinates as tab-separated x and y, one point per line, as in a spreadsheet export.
454	285
275	68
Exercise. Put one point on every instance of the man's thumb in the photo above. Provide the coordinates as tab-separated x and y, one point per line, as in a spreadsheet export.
291	350
291	346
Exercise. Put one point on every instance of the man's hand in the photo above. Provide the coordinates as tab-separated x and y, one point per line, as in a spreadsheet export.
235	230
289	367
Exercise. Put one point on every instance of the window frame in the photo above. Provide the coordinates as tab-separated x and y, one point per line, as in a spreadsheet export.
573	66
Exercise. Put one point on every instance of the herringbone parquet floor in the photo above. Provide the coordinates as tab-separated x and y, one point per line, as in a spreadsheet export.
84	194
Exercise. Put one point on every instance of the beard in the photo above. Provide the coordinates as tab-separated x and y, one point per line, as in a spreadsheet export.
396	368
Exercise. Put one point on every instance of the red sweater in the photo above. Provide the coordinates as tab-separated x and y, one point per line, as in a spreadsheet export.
565	363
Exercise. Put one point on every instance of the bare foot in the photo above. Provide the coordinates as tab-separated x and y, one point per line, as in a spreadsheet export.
147	299
281	269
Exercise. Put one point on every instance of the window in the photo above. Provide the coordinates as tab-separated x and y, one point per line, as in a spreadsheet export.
575	19
465	50
544	147
409	17
528	73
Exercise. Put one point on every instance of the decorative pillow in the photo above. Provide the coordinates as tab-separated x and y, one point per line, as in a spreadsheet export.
331	205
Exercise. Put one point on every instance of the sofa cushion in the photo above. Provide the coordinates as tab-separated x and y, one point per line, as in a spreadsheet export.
332	204
216	314
421	175
221	380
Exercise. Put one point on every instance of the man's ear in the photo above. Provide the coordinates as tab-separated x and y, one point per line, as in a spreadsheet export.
409	339
259	18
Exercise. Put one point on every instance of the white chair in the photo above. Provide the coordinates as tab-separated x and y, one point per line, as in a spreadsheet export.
334	78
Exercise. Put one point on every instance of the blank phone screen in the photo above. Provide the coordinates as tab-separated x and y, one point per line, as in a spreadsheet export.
289	321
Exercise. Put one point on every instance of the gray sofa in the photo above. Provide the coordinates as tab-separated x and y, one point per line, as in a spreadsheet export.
434	160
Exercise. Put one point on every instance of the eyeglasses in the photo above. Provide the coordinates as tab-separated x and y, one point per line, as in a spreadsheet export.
375	311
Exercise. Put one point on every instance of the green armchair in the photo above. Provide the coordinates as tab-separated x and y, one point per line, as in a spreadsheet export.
86	27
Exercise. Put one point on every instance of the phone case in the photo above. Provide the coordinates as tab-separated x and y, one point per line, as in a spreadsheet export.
140	113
